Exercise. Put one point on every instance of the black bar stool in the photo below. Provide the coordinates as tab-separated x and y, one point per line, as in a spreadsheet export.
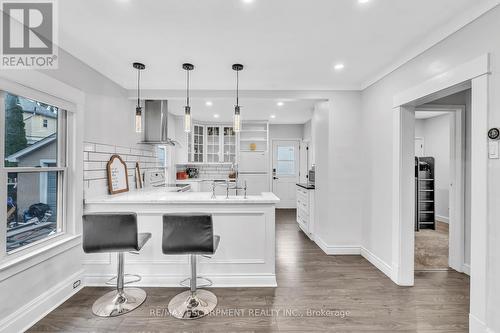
114	232
190	234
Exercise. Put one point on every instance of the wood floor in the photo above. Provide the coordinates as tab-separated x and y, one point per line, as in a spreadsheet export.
432	248
354	297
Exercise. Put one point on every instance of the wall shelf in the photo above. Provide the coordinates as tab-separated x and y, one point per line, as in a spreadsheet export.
254	139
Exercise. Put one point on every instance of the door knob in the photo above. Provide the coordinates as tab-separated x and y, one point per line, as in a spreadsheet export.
275	178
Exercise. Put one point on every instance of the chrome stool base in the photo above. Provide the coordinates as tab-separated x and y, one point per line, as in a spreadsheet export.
188	305
114	303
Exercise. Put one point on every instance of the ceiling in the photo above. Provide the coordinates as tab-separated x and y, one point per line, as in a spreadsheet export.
284	44
290	112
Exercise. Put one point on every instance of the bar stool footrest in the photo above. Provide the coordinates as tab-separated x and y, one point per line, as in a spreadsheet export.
133	278
205	282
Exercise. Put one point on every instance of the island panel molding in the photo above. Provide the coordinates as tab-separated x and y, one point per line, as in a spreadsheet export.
246	254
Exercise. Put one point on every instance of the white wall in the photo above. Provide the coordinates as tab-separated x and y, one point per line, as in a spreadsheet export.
419	128
279	131
306	134
320	143
340	172
472	41
436	134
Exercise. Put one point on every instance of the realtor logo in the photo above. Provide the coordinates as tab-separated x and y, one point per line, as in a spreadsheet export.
29	35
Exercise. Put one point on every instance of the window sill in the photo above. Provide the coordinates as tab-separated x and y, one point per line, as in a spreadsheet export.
23	261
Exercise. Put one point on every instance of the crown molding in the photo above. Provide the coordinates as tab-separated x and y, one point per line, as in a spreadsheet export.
438	36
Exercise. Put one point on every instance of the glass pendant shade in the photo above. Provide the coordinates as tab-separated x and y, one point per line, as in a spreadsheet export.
236	119
138	119
187	119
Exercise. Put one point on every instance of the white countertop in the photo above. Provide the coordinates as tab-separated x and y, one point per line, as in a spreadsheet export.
161	196
193	180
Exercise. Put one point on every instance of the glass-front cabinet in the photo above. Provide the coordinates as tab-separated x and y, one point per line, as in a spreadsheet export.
229	144
212	143
196	139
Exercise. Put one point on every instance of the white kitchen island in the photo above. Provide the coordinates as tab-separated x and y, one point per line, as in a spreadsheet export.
246	253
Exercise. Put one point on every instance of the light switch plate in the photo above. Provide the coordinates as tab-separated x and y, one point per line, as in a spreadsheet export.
493	147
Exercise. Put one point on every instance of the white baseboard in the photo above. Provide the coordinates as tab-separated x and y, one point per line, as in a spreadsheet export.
466	269
444	219
32	312
337	249
377	262
356	250
477	326
172	281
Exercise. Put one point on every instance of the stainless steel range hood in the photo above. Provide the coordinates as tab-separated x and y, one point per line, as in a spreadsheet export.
155	117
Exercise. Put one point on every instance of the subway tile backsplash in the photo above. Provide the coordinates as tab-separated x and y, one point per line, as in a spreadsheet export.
209	171
97	155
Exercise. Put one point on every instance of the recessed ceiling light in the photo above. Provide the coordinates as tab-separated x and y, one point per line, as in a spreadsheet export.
209	103
364	1
339	67
273	116
280	104
216	116
247	1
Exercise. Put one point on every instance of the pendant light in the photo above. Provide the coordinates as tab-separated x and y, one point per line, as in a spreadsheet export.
187	108
236	117
138	108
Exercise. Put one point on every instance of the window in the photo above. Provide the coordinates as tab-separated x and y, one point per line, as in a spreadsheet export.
285	161
35	166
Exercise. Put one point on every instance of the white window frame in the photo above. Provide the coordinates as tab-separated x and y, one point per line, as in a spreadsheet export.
44	180
41	87
61	170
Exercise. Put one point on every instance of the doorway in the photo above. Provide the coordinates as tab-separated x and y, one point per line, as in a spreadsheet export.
440	186
472	75
285	171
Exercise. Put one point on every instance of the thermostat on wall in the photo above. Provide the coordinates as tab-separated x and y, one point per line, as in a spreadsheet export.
494	133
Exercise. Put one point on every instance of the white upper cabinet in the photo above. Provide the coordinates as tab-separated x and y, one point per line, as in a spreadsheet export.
229	144
206	143
196	144
213	144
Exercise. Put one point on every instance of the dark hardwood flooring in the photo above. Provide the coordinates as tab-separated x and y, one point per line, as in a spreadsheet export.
353	294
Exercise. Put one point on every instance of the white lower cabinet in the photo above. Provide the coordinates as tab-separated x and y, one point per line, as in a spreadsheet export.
305	210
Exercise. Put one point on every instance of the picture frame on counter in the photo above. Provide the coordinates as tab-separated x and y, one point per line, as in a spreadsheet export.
117	175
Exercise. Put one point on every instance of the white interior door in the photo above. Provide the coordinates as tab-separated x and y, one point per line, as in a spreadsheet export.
286	167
